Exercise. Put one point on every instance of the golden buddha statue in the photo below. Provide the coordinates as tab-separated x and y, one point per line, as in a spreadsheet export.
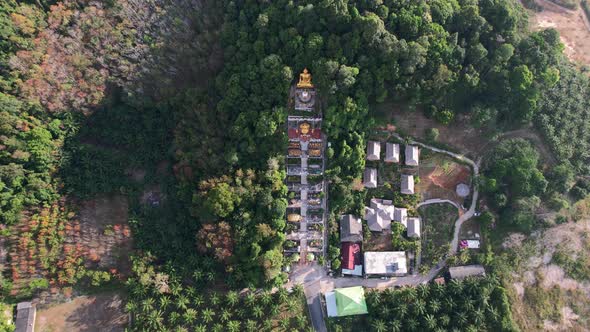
304	128
305	79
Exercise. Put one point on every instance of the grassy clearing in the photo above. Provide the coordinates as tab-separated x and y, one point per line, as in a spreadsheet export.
438	221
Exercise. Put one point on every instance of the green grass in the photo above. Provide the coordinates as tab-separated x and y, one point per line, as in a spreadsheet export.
578	269
438	222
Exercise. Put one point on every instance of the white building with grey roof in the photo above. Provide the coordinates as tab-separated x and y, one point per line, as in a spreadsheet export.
373	150
407	184
385	263
413	227
391	153
412	155
370	178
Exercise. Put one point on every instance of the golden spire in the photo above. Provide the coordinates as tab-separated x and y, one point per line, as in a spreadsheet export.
305	79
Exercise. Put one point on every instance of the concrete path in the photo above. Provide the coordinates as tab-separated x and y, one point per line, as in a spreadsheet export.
439	201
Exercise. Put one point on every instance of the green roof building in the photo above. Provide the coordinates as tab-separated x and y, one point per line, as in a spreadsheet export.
346	302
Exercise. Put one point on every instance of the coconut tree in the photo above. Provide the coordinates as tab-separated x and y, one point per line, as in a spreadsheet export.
182	302
189	316
250	299
434	305
283	295
164	302
174	318
232	298
379	325
198	300
233	326
208	315
251	325
257	312
266	298
225	315
430	321
214	299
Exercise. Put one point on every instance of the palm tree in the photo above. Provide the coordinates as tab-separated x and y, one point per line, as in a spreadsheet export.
175	288
233	326
251	325
180	329
445	320
214	298
174	318
396	326
232	298
408	294
154	320
430	321
147	305
200	328
422	291
190	315
379	325
292	304
198	300
198	275
274	309
225	315
402	310
164	302
218	328
267	324
478	317
131	307
301	321
210	276
284	324
266	298
250	299
461	318
208	314
257	312
419	307
190	291
182	302
283	295
298	290
412	324
434	305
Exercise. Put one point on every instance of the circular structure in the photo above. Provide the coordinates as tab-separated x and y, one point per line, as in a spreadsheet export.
463	190
304	96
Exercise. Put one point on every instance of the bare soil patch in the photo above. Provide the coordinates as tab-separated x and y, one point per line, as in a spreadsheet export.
96	313
378	242
573	26
439	177
105	233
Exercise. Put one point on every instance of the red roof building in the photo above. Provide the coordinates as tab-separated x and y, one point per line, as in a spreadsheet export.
351	255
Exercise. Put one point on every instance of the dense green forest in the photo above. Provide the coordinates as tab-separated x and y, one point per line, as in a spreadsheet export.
92	90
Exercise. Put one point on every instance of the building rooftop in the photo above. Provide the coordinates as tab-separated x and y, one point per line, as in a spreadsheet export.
407	184
385	263
391	153
351	255
379	215
412	155
414	227
25	317
346	302
351	229
370	178
373	150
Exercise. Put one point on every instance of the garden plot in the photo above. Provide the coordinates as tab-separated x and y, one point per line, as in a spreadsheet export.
438	221
439	177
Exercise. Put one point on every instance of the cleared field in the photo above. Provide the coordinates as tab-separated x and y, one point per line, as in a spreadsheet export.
85	313
573	26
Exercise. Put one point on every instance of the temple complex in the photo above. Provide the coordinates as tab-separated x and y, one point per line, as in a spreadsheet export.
305	181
